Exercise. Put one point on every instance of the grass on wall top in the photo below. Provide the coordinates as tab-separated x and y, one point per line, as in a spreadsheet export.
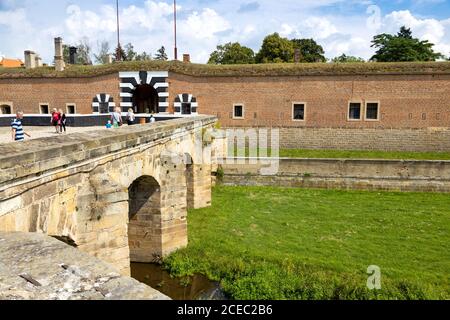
204	70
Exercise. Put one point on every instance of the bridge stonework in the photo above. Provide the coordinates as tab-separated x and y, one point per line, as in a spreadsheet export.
116	194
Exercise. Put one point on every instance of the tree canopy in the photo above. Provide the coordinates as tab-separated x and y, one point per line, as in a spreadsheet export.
344	58
402	47
275	49
310	51
161	54
232	53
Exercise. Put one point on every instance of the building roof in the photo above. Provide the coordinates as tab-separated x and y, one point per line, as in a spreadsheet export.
11	63
256	70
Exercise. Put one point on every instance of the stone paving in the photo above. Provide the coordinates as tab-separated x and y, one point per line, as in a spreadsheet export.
37	267
43	132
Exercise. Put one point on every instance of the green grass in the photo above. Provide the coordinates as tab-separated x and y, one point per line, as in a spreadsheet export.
204	70
282	243
355	154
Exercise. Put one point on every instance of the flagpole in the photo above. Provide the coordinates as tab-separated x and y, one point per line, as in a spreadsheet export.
175	28
118	53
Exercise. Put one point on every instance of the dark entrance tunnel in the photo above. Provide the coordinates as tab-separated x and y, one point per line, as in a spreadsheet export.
145	99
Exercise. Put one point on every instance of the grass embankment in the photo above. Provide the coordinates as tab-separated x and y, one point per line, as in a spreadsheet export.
280	243
254	70
352	154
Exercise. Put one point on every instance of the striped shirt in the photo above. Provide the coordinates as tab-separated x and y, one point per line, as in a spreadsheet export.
17	125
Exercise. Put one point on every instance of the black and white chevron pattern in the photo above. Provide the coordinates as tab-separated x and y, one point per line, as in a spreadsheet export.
103	98
185	98
157	79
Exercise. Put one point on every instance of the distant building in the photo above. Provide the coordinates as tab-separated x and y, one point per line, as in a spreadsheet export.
11	63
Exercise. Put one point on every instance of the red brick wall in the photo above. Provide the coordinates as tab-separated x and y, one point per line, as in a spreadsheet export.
27	94
267	100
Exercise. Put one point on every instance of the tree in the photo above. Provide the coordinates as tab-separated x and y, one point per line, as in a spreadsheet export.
66	53
161	54
119	54
232	53
402	47
130	54
275	49
310	51
143	57
84	52
344	58
103	53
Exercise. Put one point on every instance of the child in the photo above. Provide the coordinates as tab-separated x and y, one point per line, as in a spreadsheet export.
62	121
109	125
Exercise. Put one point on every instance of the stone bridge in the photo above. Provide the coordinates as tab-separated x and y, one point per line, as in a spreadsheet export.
118	195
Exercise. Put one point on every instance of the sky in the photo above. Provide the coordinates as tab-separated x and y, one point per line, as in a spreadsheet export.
340	26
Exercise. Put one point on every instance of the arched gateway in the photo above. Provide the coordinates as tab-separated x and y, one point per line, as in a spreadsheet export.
144	91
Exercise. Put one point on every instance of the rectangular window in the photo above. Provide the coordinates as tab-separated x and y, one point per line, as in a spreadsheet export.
372	111
5	109
354	111
44	109
298	111
71	109
238	112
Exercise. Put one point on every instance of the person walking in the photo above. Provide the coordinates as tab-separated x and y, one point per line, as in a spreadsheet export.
116	118
131	117
62	121
55	120
17	132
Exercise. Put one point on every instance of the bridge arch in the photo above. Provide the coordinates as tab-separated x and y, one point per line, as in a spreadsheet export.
144	213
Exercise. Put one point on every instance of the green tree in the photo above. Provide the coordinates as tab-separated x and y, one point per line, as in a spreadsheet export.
275	49
161	54
130	54
402	47
144	56
102	56
66	53
344	58
232	53
310	51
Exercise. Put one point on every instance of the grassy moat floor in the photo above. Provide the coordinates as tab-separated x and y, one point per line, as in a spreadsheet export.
350	154
282	243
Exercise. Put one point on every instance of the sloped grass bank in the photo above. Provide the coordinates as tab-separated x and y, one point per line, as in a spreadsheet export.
281	243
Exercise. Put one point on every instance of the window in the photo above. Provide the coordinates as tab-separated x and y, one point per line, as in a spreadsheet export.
354	111
71	108
238	112
5	109
298	111
44	109
372	111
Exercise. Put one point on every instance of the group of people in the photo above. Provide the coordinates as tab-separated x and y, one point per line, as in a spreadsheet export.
117	121
58	120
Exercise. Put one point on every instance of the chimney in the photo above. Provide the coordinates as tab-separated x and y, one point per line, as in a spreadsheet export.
38	61
186	58
109	59
30	59
73	53
59	60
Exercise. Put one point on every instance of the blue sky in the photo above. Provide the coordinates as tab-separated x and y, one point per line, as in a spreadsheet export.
340	26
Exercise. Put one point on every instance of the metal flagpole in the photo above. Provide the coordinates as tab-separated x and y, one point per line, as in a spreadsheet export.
175	28
118	53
